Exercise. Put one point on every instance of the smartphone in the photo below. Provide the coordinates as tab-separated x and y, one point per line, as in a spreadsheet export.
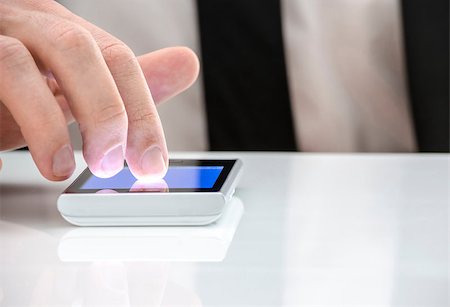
193	192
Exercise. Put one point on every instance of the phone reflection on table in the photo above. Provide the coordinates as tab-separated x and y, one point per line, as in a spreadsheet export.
193	243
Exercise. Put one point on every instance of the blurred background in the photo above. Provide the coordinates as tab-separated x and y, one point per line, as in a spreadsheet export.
356	76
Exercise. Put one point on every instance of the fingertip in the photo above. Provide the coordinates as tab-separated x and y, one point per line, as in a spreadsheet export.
63	163
110	164
59	166
169	71
100	173
151	165
57	179
54	178
190	62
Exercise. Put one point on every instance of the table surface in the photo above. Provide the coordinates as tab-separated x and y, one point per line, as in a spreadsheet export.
304	230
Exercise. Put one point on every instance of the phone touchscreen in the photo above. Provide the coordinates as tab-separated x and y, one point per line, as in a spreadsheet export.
182	175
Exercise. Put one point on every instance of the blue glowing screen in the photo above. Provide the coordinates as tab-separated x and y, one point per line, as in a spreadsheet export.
183	177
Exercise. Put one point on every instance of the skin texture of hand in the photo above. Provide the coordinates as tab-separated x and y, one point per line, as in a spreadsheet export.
56	67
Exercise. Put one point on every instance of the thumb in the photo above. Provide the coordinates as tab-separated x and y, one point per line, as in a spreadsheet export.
169	71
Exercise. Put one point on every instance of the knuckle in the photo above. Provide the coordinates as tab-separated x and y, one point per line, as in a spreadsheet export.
13	52
111	114
143	117
69	36
118	54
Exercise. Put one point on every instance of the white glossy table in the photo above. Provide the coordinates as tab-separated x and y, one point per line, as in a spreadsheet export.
316	230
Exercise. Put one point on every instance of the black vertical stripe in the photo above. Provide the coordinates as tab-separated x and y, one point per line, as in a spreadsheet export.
246	90
426	32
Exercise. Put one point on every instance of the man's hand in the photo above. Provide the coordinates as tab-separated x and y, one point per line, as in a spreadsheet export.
56	67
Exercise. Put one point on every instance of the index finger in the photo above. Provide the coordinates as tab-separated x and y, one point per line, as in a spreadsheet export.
146	151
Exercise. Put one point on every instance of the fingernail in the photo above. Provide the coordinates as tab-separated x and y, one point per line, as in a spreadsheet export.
152	163
112	161
63	162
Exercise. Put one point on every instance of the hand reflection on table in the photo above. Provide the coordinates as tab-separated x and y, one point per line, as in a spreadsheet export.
108	266
33	276
111	283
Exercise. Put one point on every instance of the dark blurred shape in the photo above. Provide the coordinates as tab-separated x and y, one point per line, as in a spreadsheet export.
246	89
426	32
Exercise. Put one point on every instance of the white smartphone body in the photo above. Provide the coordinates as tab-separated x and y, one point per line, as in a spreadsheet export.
193	192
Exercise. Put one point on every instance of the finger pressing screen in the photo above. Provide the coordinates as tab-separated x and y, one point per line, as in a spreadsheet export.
70	52
105	86
146	152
